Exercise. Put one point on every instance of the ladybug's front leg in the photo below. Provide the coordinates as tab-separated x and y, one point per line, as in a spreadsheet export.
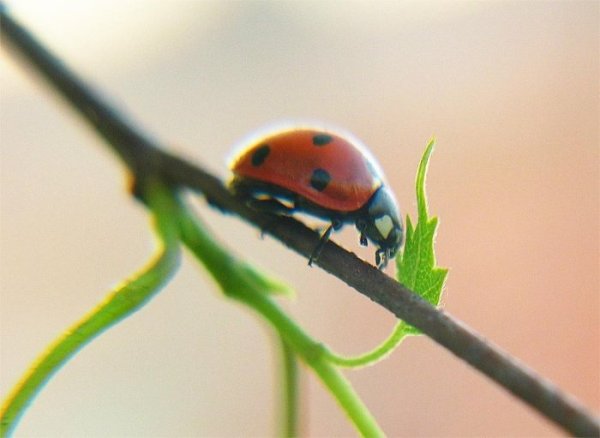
381	259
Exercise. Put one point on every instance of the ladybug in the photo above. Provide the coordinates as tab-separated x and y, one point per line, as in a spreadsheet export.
322	173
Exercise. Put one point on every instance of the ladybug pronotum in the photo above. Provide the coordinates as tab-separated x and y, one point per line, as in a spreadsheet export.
322	173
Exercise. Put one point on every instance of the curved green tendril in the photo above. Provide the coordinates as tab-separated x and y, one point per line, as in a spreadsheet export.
125	299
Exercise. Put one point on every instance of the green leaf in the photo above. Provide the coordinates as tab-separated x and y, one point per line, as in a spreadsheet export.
416	270
416	265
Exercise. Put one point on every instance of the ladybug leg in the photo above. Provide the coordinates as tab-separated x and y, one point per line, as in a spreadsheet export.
336	224
361	226
270	205
381	259
216	204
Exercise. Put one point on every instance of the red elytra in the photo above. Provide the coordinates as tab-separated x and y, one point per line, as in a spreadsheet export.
290	158
321	173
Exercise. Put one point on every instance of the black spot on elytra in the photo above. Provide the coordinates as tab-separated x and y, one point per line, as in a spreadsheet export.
320	179
322	139
260	155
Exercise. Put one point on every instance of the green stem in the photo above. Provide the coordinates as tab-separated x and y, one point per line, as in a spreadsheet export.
378	353
233	279
313	354
290	399
122	302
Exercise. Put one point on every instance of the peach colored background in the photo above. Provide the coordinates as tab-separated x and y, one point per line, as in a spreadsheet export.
510	89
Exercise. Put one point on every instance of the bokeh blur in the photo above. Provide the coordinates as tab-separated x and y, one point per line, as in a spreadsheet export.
511	91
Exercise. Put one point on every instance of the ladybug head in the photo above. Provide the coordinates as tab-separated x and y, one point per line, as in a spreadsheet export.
382	225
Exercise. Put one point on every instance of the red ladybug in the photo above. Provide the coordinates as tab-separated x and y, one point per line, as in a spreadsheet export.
320	172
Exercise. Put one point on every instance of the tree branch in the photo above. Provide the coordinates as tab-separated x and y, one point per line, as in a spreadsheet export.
143	155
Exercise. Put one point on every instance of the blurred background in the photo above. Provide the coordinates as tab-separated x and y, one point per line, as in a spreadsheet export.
511	91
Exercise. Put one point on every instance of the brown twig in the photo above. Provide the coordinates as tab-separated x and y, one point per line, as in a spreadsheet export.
143	155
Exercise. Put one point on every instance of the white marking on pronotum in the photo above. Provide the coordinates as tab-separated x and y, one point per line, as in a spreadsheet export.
384	225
